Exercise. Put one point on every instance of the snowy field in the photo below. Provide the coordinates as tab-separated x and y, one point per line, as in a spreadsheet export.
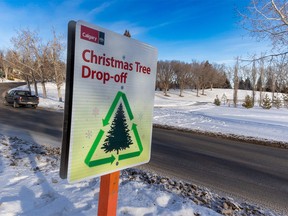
200	114
30	184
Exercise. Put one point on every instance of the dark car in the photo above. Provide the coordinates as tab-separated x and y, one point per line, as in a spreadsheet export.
21	98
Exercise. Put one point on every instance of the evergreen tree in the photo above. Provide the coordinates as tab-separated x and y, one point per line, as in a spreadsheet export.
248	85
277	102
277	86
227	84
217	101
248	103
259	84
224	98
118	137
241	84
266	102
285	100
268	86
2	74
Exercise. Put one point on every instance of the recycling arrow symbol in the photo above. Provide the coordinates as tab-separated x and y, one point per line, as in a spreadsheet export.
113	107
106	121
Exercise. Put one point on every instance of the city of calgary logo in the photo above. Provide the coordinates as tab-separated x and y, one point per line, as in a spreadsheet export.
92	35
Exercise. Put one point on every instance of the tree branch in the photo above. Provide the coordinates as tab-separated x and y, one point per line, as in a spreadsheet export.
283	18
264	57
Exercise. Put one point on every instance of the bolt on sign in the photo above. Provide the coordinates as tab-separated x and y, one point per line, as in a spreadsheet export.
108	102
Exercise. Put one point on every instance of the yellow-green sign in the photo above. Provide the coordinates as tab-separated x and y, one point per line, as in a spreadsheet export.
111	103
118	137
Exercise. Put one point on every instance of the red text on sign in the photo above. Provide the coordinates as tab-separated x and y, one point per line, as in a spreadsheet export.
142	69
91	57
103	76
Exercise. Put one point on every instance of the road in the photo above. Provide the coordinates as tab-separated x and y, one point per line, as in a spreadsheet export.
251	172
36	125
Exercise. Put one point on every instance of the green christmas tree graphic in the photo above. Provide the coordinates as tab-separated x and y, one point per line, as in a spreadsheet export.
118	137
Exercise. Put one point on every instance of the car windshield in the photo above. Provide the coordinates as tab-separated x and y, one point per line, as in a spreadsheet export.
10	91
24	93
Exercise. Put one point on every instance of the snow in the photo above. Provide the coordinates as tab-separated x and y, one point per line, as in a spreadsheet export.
200	114
30	183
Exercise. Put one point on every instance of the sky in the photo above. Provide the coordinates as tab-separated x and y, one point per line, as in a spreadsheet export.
181	30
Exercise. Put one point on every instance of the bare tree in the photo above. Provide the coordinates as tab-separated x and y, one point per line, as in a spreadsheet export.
218	77
16	67
165	75
271	80
202	72
38	62
195	73
268	19
25	46
205	75
236	82
254	80
43	67
280	74
58	67
261	78
3	64
182	74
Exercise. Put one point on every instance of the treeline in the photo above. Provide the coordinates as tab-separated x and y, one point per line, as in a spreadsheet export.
272	77
34	61
263	74
194	75
267	20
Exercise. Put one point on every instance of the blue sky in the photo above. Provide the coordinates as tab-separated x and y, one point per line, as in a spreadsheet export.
180	29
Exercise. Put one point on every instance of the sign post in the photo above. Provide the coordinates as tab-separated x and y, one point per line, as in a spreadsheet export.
108	111
108	195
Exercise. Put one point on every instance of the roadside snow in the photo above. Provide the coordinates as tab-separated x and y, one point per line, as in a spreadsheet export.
30	185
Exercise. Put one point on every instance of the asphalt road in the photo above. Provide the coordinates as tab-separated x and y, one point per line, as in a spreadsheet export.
36	125
251	172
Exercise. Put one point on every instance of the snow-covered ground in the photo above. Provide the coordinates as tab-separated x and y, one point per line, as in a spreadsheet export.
200	114
30	184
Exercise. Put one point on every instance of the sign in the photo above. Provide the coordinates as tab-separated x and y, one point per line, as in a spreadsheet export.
109	112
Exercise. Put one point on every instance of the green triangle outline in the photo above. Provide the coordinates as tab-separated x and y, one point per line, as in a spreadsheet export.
105	122
117	98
